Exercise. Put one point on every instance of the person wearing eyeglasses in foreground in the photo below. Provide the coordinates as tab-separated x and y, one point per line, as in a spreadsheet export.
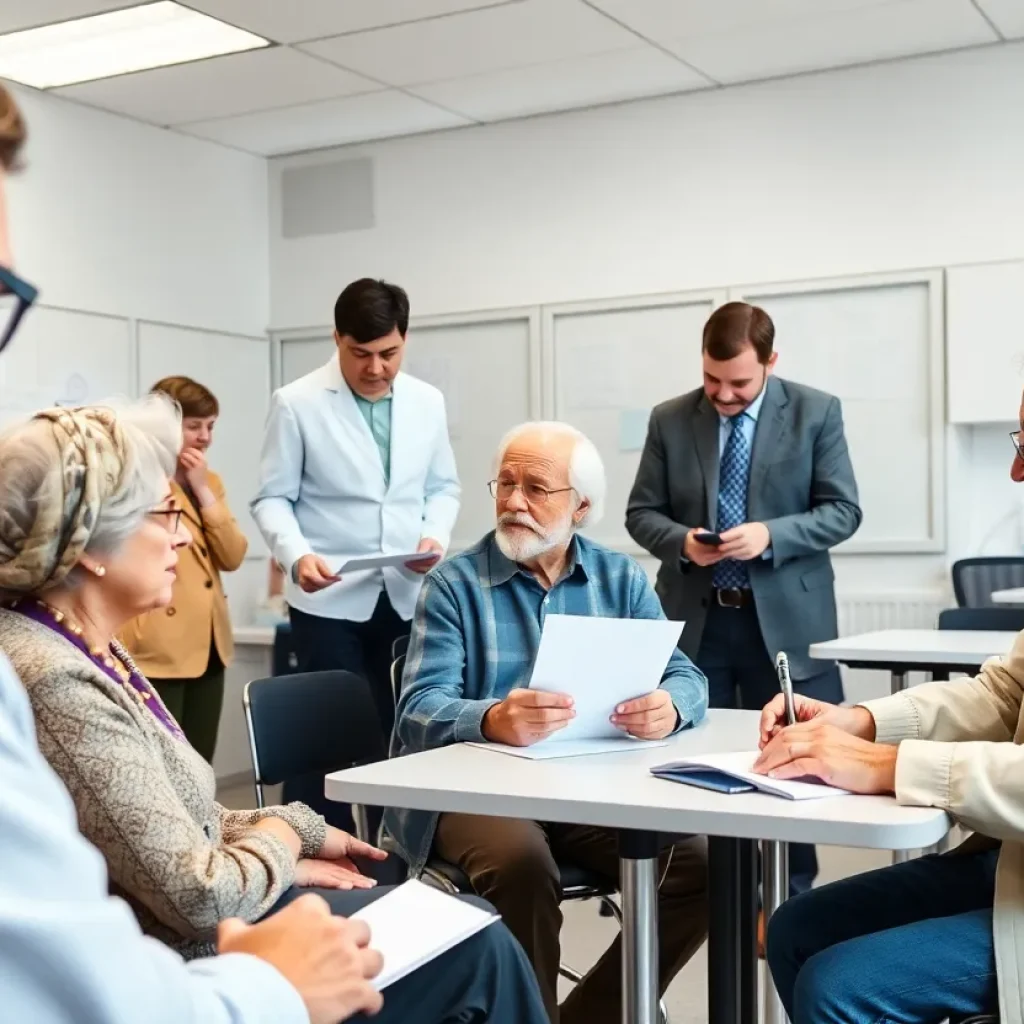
88	537
475	635
934	937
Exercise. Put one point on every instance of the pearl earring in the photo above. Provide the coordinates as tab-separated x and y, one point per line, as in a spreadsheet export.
100	570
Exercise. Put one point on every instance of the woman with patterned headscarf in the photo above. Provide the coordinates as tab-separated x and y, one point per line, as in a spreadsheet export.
90	536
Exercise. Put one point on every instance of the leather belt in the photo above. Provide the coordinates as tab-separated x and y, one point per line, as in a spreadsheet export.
733	597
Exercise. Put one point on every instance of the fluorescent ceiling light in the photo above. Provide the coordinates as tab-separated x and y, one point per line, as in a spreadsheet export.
152	35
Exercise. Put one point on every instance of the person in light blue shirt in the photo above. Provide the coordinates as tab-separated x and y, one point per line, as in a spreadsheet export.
475	635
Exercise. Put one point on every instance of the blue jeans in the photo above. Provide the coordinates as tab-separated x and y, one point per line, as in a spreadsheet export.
907	944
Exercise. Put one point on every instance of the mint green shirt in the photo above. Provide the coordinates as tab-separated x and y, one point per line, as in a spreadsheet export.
378	419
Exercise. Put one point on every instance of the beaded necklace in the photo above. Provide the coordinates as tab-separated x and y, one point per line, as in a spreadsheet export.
137	684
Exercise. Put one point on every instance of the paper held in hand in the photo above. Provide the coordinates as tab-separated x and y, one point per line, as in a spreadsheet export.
415	924
739	765
385	561
599	662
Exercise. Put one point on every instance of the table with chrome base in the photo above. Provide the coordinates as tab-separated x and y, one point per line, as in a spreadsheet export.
617	791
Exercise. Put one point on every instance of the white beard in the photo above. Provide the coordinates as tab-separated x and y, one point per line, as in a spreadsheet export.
522	545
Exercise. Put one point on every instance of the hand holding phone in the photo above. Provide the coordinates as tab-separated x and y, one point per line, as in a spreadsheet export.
707	537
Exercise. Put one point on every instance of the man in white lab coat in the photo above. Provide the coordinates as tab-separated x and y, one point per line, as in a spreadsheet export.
357	462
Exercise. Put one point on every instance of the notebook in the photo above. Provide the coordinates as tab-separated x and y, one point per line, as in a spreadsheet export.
739	765
414	924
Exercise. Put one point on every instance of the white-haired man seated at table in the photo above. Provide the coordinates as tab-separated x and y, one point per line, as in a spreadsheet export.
475	636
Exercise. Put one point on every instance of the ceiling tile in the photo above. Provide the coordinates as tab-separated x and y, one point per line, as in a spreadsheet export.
563	85
661	20
16	15
899	28
376	115
314	19
1006	15
221	87
515	35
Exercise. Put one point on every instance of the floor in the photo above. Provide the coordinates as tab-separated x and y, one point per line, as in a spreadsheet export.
586	933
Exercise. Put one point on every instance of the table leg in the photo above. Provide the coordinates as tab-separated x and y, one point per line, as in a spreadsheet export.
638	859
732	938
774	891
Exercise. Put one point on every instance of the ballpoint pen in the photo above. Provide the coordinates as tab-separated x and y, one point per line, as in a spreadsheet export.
786	683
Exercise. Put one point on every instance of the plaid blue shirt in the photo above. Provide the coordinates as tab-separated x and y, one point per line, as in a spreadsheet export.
475	636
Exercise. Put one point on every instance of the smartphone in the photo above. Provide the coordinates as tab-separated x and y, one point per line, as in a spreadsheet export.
711	539
707	778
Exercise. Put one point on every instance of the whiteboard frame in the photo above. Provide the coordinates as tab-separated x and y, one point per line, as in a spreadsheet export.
934	280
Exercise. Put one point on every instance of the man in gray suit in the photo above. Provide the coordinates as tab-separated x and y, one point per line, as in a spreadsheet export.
760	466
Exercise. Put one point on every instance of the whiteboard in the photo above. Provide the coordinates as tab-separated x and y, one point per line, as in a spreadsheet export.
237	370
487	366
609	364
876	343
65	357
984	343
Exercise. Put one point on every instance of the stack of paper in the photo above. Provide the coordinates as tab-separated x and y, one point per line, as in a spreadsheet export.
739	765
415	924
600	663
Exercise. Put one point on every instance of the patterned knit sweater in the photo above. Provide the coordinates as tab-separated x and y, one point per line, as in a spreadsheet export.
146	799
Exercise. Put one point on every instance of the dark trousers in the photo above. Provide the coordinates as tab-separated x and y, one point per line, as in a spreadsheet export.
364	648
741	674
485	978
907	943
513	865
196	704
361	647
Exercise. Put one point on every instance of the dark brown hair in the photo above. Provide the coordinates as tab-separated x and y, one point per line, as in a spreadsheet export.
194	399
368	310
735	325
13	130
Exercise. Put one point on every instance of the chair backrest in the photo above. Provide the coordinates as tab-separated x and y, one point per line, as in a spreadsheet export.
397	668
982	618
974	579
400	647
310	723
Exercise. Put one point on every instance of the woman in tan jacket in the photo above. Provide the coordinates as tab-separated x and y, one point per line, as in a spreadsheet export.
934	937
184	648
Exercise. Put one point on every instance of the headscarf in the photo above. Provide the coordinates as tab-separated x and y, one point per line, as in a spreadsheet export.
85	452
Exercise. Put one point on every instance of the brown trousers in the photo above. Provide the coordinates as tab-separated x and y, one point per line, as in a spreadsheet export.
512	864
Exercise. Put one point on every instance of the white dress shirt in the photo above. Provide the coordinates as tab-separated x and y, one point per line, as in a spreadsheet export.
72	954
324	490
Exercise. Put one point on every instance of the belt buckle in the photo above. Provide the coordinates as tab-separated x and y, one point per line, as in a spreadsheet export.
730	597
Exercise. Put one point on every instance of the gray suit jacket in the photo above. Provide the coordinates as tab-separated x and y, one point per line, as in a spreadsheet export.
801	487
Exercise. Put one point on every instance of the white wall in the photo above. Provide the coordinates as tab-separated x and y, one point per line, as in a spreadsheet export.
114	216
896	166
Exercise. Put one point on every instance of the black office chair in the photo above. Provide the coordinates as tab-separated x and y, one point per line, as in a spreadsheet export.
305	725
974	579
990	618
285	660
576	883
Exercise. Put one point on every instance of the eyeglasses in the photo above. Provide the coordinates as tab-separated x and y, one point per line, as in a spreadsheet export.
171	517
16	296
1015	437
533	493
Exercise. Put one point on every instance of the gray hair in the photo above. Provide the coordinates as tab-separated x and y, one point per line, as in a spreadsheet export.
586	468
149	440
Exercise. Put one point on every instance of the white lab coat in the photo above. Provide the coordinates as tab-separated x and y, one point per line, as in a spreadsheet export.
323	489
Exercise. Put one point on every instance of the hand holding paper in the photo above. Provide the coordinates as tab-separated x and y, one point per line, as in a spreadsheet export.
526	716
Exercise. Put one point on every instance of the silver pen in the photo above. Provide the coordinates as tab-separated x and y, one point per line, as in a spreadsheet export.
786	683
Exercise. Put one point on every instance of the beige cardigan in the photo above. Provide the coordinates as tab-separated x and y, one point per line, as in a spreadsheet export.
960	748
146	799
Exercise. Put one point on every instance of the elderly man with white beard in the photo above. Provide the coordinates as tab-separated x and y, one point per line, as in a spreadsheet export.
475	636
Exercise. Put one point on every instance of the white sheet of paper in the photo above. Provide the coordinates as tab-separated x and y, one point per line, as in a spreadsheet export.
600	663
739	765
414	924
382	561
571	748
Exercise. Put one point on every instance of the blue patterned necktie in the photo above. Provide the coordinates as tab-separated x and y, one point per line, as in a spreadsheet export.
733	474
